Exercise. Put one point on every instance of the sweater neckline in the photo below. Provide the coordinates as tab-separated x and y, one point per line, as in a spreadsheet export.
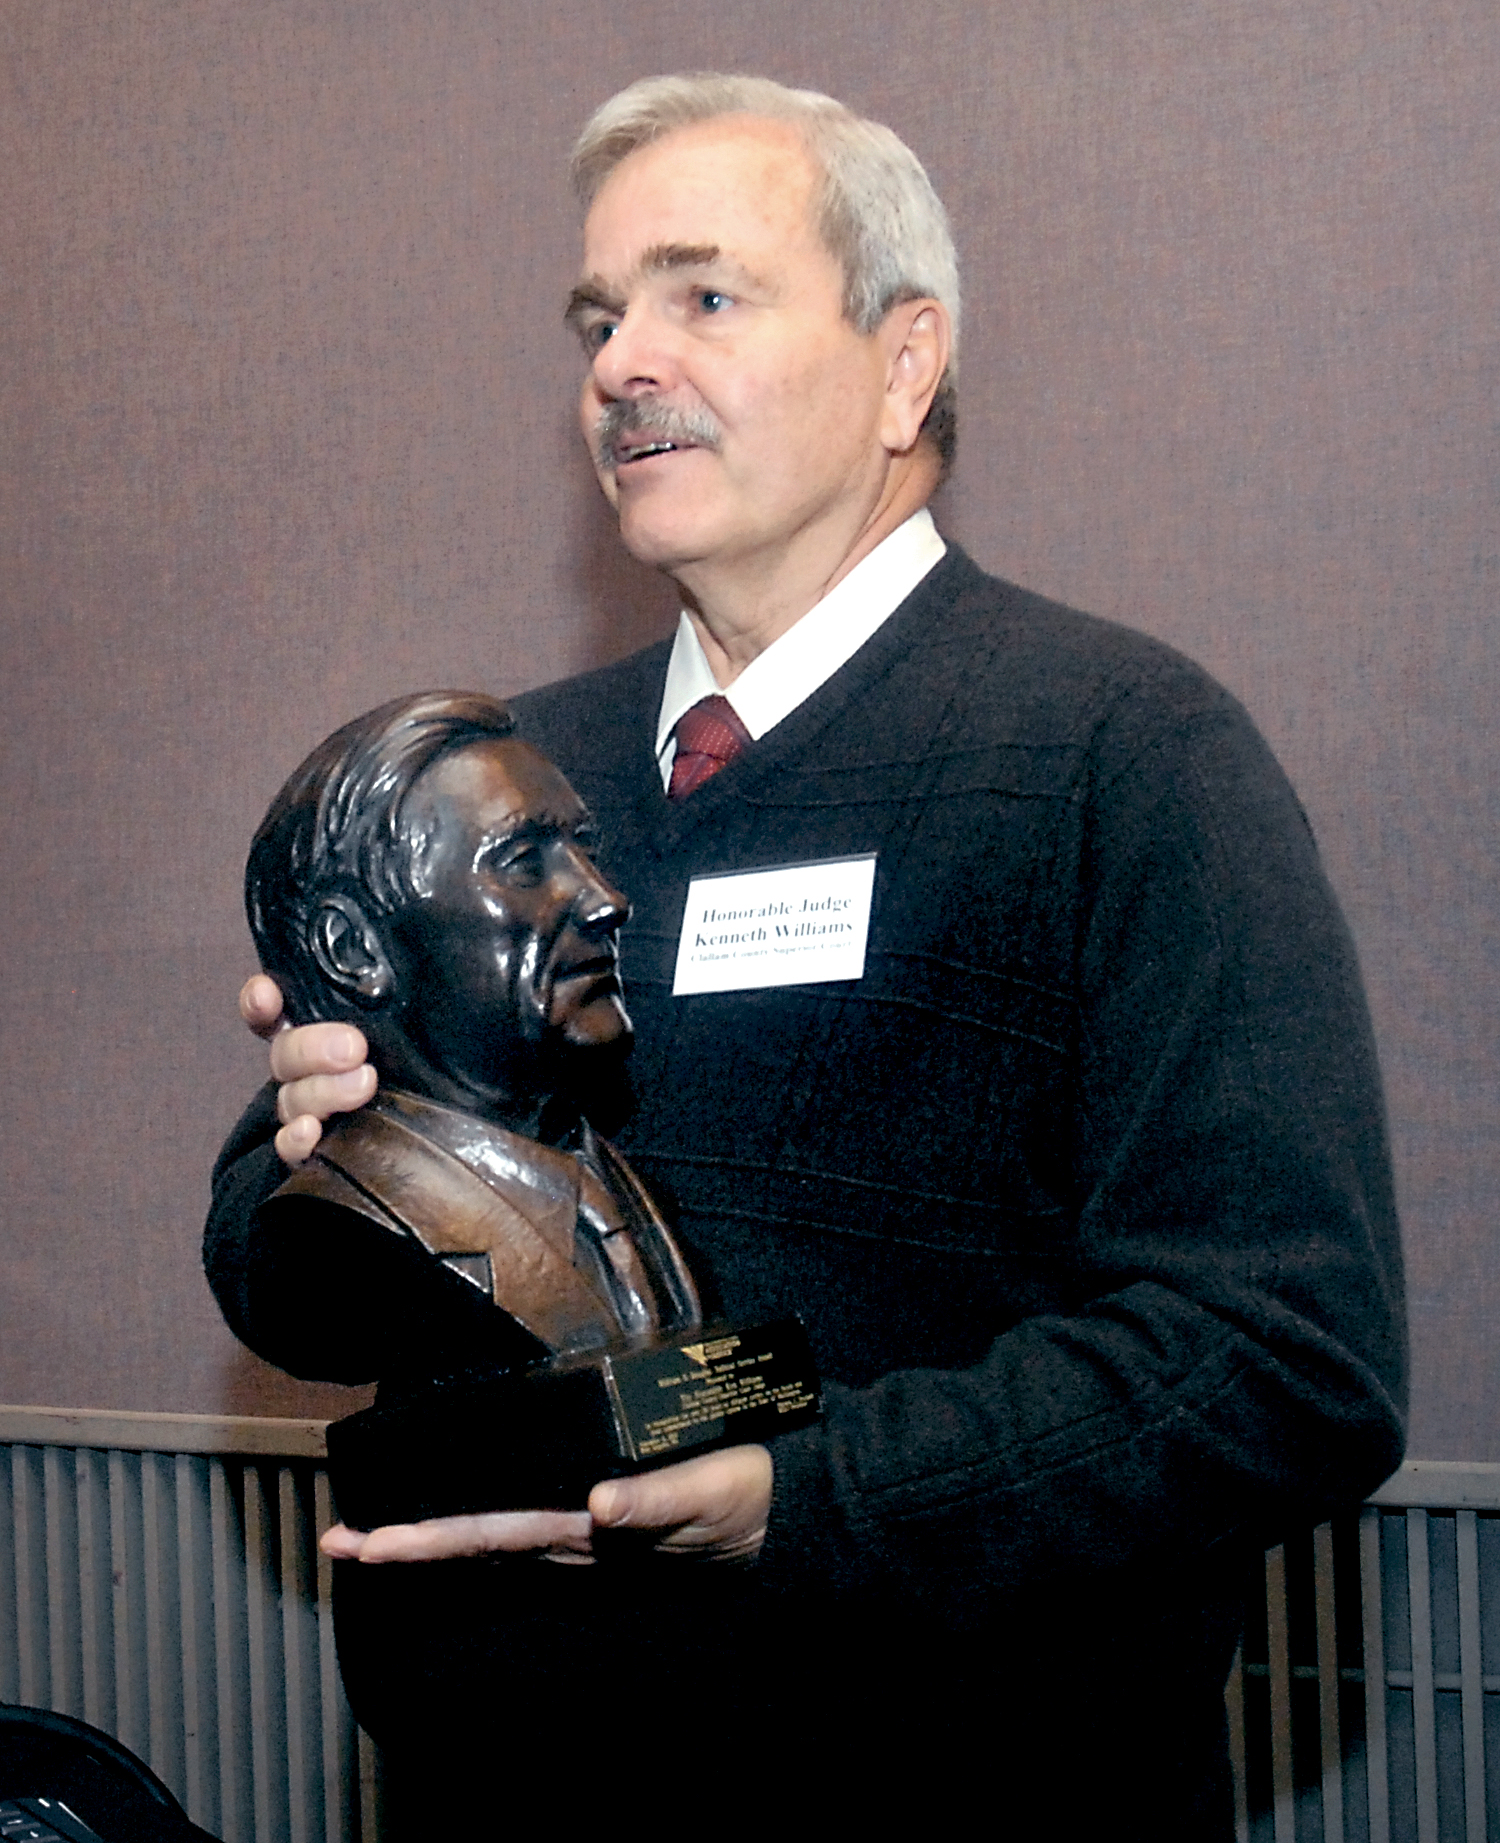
664	826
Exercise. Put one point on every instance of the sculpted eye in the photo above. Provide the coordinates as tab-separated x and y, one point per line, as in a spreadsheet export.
522	866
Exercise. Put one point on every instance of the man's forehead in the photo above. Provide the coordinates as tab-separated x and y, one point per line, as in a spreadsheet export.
733	169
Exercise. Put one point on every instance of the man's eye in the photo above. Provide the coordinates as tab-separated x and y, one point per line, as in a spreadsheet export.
710	301
595	336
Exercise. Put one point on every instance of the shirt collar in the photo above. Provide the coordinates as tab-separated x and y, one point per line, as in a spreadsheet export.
792	667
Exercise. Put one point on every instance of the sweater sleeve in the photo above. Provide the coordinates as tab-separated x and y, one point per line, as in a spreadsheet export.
245	1173
1236	1361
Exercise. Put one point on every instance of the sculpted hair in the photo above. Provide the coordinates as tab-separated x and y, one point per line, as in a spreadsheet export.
878	214
337	828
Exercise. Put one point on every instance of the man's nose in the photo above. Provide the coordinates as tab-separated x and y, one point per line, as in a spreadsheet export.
638	358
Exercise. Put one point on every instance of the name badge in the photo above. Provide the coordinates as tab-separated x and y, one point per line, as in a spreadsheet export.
797	924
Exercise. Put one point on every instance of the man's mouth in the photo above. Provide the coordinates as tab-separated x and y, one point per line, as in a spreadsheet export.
629	449
627	433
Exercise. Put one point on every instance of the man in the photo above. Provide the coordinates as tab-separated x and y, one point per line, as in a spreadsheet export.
1081	1186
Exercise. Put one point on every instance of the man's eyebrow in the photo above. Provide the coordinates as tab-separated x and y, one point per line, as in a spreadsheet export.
590	297
593	295
663	256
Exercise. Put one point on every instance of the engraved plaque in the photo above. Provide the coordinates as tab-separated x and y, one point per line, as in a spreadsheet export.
542	1438
725	1390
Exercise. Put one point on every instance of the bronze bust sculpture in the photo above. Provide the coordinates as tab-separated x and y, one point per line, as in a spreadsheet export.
425	875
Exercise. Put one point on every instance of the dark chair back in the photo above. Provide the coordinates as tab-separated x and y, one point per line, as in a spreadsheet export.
55	1756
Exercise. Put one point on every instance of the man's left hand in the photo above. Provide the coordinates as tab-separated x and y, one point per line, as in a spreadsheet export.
713	1508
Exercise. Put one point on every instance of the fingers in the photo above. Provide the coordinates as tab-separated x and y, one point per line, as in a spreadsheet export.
260	1005
322	1071
322	1095
316	1049
343	1543
304	1105
715	1506
561	1533
298	1139
321	1068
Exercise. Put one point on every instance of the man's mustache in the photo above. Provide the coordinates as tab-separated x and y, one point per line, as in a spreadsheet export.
644	420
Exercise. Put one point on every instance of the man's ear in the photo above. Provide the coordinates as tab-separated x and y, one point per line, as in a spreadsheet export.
349	951
918	338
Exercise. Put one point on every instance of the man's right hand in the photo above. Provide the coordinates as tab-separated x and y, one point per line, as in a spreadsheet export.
321	1068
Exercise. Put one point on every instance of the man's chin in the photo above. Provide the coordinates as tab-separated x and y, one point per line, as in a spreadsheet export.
655	531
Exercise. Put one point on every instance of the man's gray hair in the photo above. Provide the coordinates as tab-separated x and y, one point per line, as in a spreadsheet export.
878	214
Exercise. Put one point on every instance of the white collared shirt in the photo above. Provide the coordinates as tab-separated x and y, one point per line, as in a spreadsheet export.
792	667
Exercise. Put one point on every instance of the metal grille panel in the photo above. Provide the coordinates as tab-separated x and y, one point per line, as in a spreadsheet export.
159	1576
1365	1704
178	1601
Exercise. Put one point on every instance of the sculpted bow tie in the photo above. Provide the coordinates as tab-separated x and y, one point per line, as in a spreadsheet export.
709	736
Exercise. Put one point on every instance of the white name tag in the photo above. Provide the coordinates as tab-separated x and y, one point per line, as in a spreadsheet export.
795	925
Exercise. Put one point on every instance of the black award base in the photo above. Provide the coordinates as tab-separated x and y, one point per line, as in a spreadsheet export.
540	1439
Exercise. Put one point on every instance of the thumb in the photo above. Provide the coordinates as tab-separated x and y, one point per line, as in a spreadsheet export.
651	1500
730	1486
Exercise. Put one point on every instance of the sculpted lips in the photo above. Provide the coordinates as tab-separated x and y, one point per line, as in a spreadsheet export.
600	970
634	431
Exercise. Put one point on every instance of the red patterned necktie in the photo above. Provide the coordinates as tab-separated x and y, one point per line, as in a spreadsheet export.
709	736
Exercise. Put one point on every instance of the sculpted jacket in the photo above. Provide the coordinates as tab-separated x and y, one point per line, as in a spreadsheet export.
1082	1190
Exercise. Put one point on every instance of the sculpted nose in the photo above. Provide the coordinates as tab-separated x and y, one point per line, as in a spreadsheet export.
599	909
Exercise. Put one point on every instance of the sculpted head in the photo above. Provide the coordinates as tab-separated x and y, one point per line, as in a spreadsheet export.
425	875
769	307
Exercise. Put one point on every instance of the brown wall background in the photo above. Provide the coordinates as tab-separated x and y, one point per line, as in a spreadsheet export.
287	430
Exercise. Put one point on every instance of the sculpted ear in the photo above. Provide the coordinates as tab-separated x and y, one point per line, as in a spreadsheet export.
349	951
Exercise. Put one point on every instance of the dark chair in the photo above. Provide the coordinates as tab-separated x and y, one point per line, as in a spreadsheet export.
54	1756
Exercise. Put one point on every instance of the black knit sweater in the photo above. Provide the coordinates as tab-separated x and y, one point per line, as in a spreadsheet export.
1082	1190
